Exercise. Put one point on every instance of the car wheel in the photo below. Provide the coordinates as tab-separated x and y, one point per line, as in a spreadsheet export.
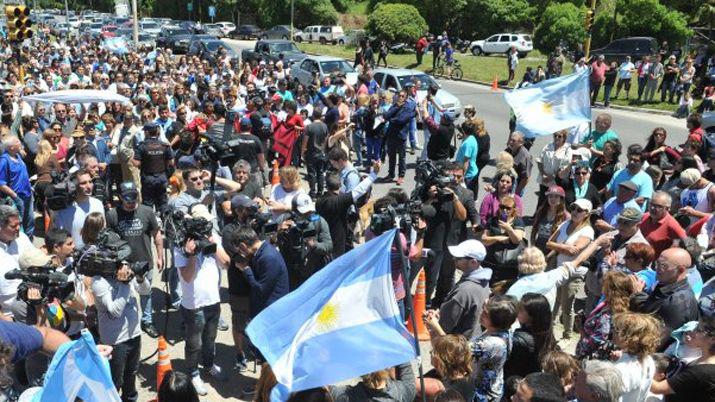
341	42
298	39
521	55
285	37
322	41
477	51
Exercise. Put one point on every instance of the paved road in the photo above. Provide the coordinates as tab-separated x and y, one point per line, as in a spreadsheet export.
632	127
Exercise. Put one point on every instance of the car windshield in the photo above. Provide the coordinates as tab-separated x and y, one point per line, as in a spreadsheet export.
96	26
150	25
178	32
283	47
144	37
336	66
425	81
527	38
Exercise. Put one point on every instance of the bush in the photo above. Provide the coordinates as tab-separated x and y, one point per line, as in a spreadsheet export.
561	24
342	5
482	18
396	22
307	12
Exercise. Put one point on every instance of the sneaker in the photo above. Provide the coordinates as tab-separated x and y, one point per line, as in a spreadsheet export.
199	385
241	363
150	330
222	326
216	373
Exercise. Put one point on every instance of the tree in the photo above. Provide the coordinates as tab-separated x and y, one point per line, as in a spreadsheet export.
396	22
650	18
561	24
307	12
482	18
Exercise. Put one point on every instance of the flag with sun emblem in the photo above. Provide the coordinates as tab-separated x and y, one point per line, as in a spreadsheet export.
551	105
343	322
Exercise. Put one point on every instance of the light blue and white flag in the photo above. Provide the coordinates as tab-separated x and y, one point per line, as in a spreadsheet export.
343	322
116	45
78	371
551	105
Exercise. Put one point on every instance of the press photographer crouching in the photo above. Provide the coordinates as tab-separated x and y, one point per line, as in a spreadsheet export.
116	284
304	240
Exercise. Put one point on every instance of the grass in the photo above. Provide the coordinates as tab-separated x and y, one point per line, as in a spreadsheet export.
358	7
481	68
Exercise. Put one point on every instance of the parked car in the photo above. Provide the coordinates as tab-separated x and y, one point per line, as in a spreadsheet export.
323	66
150	27
636	47
709	122
108	31
213	29
352	38
273	50
246	32
397	79
280	32
194	27
207	47
226	28
175	38
501	43
320	33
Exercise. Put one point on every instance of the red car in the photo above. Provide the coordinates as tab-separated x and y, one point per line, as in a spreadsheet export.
108	31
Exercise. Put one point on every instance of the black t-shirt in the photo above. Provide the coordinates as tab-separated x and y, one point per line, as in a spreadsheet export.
438	145
334	209
439	216
237	282
317	133
248	147
693	383
136	228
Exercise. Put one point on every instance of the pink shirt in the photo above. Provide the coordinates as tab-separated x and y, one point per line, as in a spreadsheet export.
598	72
490	207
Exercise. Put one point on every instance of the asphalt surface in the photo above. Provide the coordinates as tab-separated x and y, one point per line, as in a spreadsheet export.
632	127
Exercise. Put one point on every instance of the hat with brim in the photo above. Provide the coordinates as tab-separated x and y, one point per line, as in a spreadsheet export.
582	203
629	185
78	133
630	215
473	249
303	204
556	190
34	258
199	211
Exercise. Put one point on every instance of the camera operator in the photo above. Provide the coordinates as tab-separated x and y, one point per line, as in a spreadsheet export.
335	205
72	218
304	240
442	211
118	316
12	244
196	191
137	225
200	309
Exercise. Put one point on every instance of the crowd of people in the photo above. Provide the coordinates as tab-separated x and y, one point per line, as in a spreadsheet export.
178	181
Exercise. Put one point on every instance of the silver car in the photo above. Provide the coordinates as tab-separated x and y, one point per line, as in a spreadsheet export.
323	66
396	79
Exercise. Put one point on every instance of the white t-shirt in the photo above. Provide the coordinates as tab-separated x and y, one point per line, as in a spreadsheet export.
9	257
564	238
72	218
204	289
278	194
636	376
625	70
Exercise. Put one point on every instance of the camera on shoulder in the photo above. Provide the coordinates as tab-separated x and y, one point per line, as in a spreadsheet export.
108	256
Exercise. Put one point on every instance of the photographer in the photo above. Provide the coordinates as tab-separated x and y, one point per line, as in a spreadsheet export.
72	217
399	116
441	134
304	240
200	309
118	316
12	244
335	206
196	191
137	225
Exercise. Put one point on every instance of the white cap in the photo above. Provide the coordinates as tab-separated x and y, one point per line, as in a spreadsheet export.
33	257
583	204
303	203
470	249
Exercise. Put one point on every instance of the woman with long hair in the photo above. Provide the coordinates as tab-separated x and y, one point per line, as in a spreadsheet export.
534	339
658	153
549	217
604	166
504	232
46	162
504	181
596	336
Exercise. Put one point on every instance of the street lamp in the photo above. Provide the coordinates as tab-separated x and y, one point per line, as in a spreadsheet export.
292	8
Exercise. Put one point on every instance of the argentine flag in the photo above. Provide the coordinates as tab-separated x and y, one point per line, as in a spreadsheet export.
551	105
341	323
78	371
116	45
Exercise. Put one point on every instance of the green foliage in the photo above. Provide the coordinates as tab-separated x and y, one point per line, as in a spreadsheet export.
342	6
650	18
494	16
562	23
396	22
307	12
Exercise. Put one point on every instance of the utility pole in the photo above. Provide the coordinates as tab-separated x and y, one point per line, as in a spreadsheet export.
588	23
292	12
136	24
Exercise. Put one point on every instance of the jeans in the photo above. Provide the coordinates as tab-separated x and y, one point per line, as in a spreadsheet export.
426	135
315	175
445	283
374	149
594	92
396	149
641	86
201	325
432	271
174	288
145	301
607	95
565	297
27	214
124	365
358	138
413	133
667	88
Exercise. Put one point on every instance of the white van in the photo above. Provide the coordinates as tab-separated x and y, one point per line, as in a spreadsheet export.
320	33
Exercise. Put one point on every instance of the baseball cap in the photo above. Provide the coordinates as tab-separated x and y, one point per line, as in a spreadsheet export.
129	192
245	122
187	162
78	132
630	214
469	249
33	257
630	185
242	201
150	126
690	176
199	211
303	203
556	190
583	204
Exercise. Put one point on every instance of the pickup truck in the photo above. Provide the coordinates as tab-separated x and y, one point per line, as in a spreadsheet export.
271	50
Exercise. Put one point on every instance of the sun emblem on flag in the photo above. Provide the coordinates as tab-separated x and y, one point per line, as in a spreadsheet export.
328	316
547	108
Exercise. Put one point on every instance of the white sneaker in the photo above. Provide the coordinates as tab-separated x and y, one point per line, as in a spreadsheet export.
199	385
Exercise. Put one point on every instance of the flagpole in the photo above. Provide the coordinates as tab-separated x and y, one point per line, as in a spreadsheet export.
408	302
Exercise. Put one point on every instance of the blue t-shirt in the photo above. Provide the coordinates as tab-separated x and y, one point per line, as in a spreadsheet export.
641	179
612	208
24	339
13	173
468	151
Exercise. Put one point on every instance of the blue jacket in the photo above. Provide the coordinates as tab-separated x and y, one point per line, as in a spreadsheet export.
267	277
399	118
100	149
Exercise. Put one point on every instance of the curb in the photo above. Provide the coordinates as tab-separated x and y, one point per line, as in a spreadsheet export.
489	84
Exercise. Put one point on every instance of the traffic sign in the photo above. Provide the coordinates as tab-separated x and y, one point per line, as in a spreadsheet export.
189	7
212	11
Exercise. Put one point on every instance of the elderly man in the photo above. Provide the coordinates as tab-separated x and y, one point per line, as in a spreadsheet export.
596	139
672	300
598	381
659	227
625	198
15	182
523	162
12	244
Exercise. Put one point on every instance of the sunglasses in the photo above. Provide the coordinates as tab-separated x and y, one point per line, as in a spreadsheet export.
197	178
580	173
578	210
505	208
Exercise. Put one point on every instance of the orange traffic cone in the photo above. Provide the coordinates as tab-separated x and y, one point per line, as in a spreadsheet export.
275	179
418	305
495	84
163	366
